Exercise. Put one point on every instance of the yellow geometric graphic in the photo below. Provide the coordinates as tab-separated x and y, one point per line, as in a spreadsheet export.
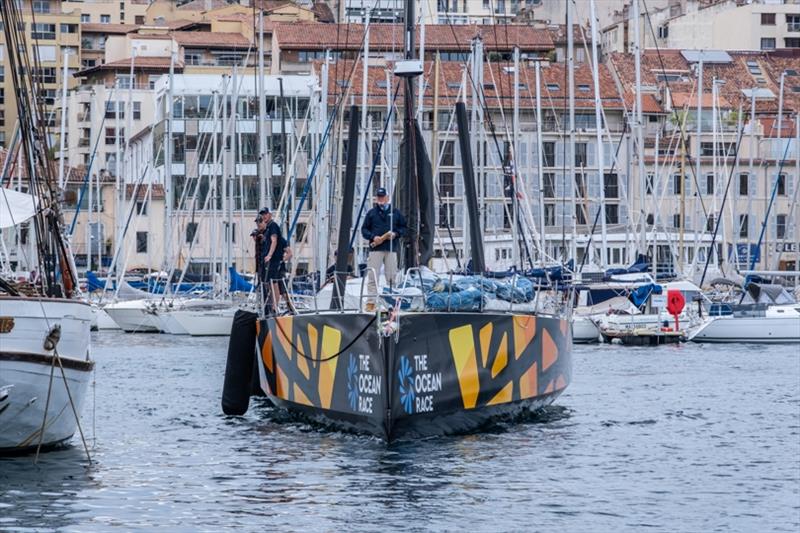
331	340
504	396
302	362
524	332
486	338
299	397
501	360
549	351
528	383
463	347
312	341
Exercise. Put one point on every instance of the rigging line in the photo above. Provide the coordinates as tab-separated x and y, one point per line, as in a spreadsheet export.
675	116
722	208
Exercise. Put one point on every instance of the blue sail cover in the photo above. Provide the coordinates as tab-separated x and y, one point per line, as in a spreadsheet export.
639	295
238	283
93	283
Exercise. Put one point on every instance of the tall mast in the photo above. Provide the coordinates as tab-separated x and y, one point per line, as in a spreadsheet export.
63	138
168	189
640	125
696	198
321	236
571	152
540	161
264	169
362	154
515	167
599	135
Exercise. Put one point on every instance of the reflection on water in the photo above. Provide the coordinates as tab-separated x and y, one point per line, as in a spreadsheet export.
643	437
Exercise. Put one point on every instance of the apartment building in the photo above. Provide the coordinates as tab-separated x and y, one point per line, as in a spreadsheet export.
686	180
709	25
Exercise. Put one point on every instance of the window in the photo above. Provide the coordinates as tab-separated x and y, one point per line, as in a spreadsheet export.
663	31
611	186
792	42
781	185
141	242
780	226
191	231
41	6
768	43
137	110
192	58
549	154
41	30
141	207
549	214
580	215
46	74
584	88
111	110
46	53
69	28
447	149
446	215
549	184
111	137
676	221
105	19
447	184
138	20
124	81
710	223
612	214
709	183
580	154
767	19
553	87
85	18
744	184
743	224
651	219
580	185
649	183
676	184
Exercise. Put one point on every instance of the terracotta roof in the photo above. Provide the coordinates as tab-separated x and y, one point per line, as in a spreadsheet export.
203	39
745	71
323	12
770	125
315	35
499	93
558	33
108	28
139	63
689	100
156	193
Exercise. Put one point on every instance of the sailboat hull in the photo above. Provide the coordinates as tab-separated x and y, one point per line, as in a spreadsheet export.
440	373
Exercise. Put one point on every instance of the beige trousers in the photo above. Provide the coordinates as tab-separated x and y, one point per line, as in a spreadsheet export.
376	260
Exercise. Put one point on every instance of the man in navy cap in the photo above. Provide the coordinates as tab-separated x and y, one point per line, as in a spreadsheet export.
382	225
273	249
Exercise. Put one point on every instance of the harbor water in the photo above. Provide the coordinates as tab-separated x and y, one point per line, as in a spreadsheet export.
675	438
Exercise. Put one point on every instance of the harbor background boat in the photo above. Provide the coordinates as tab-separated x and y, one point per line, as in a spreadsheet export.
642	437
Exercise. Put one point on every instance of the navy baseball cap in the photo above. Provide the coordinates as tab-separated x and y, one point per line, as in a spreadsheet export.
263	211
381	192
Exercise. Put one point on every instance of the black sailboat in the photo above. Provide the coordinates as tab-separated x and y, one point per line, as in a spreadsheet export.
430	372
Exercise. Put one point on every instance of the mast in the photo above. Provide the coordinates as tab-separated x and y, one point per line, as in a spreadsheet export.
696	199
599	135
63	138
264	192
571	153
515	168
409	148
362	154
780	163
540	161
322	215
168	189
639	126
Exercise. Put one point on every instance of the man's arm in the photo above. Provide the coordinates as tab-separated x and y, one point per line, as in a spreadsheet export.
272	245
366	227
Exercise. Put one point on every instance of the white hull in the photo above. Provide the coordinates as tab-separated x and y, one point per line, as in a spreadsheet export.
198	322
134	316
749	329
34	318
101	320
25	367
584	330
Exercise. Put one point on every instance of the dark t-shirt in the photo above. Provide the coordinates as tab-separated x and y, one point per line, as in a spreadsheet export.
277	256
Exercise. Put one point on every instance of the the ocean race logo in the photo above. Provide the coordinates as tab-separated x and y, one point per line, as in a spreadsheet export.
363	385
352	383
405	377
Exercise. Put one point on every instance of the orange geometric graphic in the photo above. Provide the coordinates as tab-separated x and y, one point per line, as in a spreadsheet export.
501	360
299	397
486	339
528	383
331	340
284	332
504	396
549	351
524	332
